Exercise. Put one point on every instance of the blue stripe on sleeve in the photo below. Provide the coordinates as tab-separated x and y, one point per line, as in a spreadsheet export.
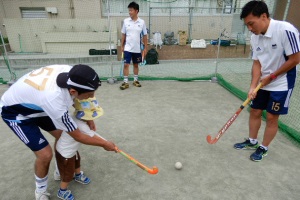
293	41
65	119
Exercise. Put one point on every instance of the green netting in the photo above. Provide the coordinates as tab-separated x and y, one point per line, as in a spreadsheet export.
152	78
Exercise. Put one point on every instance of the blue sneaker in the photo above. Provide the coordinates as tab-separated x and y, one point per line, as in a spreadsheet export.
66	195
259	154
246	145
81	178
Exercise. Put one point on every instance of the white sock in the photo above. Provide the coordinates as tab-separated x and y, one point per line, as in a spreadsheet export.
41	184
125	79
135	77
253	141
266	148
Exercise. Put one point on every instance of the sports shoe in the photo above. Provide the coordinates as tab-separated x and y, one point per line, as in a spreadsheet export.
56	176
42	195
124	86
259	154
67	195
137	84
82	178
246	145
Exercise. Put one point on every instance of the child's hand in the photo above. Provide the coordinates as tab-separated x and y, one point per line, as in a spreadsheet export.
110	146
91	124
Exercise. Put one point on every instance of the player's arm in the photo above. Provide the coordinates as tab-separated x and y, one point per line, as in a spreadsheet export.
145	38
292	61
145	42
91	124
291	46
123	39
94	141
256	74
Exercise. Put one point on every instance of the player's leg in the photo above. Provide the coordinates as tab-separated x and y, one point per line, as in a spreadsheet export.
257	106
56	134
254	123
79	175
41	168
29	133
46	124
127	60
136	59
271	129
277	105
66	168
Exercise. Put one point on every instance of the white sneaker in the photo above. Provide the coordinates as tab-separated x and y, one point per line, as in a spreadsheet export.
42	195
56	176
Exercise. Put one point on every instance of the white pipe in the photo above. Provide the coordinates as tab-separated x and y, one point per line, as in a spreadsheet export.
286	10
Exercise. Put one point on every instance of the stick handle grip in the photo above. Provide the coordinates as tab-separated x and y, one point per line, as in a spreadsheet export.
255	90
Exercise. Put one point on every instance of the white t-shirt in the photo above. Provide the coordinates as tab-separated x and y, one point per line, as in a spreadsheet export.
36	94
272	49
133	31
66	145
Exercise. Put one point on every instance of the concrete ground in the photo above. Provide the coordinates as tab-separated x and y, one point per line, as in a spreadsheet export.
159	124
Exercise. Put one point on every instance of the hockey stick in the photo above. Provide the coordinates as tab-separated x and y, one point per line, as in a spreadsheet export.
211	140
122	65
143	63
154	169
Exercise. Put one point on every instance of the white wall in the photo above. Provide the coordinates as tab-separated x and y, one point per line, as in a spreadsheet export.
30	35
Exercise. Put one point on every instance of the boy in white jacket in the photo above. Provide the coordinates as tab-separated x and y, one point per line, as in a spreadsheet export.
67	155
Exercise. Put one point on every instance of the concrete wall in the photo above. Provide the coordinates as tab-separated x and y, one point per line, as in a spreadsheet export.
293	13
280	9
59	35
81	8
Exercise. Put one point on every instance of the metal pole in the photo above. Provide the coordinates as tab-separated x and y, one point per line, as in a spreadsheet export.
111	80
190	23
12	75
215	79
149	23
109	26
286	10
5	52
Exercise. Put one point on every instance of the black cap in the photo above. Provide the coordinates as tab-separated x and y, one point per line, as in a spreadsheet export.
80	77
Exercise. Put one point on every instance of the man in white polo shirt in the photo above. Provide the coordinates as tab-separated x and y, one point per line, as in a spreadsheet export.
134	35
275	46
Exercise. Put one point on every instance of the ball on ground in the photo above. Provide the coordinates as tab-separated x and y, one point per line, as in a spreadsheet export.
178	165
110	81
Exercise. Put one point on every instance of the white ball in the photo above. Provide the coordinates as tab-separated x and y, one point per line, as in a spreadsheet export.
110	81
178	165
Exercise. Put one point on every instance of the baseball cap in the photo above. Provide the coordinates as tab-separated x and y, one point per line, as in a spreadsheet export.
80	77
87	109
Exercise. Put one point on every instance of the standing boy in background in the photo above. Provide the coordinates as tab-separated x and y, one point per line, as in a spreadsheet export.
275	46
133	28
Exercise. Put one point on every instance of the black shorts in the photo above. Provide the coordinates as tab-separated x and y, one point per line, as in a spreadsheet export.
28	131
275	102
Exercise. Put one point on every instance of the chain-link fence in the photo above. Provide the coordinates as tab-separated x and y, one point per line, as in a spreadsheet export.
201	40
